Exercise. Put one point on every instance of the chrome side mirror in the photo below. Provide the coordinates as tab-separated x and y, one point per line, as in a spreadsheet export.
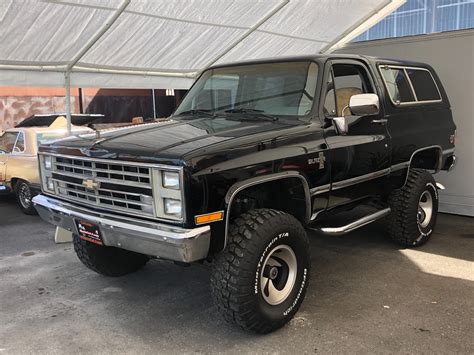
364	104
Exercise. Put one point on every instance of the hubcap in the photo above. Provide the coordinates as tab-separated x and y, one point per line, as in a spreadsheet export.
425	209
25	196
278	274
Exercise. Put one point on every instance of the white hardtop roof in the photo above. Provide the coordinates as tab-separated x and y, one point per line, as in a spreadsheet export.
163	43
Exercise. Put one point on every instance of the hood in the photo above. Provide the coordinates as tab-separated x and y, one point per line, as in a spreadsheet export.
166	142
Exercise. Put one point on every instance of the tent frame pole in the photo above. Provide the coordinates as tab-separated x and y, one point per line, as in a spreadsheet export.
67	77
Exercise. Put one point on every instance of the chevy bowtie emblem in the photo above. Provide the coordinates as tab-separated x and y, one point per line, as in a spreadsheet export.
90	184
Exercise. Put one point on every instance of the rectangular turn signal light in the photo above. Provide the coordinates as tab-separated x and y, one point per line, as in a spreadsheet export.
209	217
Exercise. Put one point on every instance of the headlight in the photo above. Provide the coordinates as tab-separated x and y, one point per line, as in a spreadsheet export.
170	180
172	207
48	162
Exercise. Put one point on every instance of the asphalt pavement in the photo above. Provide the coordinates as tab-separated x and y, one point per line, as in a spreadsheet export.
366	295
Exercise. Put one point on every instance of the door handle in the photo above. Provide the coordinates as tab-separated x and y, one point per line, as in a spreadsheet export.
380	121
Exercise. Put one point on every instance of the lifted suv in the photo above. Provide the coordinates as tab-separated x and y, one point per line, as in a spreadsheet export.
256	152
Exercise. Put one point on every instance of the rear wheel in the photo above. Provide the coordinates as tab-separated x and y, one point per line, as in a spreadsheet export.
24	197
414	209
259	281
108	261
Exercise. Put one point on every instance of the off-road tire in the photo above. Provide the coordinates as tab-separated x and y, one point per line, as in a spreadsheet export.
108	261
26	205
404	227
236	273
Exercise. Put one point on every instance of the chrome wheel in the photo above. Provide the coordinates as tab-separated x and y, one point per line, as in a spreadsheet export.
425	209
278	274
24	195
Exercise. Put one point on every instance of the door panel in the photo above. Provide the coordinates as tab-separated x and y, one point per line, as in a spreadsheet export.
360	159
3	170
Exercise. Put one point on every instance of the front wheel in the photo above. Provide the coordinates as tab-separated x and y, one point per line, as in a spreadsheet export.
24	197
108	261
414	209
259	281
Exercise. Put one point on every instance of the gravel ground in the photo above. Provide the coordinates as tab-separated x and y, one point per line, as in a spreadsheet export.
366	296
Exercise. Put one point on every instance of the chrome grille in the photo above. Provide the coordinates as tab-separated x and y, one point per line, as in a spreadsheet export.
112	185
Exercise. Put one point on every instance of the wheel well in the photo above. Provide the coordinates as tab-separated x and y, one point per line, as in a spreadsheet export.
429	159
289	195
14	181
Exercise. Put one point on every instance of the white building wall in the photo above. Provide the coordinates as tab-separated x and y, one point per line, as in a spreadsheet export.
452	56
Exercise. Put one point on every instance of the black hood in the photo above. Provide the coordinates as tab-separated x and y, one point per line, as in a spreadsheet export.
167	142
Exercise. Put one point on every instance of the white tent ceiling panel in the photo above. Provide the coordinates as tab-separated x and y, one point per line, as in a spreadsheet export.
166	42
241	14
39	32
167	46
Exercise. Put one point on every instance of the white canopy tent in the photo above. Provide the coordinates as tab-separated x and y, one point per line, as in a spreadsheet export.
165	43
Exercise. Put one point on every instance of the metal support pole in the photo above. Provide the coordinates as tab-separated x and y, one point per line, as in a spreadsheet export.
67	77
154	104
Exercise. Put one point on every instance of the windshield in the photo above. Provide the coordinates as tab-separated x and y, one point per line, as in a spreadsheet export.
277	89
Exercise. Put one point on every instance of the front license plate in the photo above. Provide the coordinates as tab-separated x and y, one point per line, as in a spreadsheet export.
89	232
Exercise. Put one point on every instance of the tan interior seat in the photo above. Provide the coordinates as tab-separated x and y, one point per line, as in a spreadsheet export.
343	95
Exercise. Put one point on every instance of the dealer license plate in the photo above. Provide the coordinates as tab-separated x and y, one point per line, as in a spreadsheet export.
89	231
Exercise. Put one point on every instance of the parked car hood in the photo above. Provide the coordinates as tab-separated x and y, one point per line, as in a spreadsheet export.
171	141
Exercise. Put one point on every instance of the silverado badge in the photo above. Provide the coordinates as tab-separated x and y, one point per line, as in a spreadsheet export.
319	160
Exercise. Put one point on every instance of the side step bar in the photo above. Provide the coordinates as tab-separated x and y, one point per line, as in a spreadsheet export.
354	225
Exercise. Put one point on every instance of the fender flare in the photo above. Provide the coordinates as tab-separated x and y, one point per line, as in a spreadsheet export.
242	185
438	163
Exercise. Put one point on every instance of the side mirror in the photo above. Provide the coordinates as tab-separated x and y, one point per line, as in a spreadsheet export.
364	104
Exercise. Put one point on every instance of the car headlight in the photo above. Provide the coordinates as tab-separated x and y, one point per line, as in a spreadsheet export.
48	162
170	180
172	207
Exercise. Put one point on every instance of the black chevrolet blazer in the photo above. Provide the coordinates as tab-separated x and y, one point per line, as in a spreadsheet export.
255	153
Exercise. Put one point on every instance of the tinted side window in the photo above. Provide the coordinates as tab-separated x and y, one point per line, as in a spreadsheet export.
397	85
424	85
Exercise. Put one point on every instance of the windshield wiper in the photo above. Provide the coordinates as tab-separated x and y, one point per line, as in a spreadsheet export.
196	112
253	113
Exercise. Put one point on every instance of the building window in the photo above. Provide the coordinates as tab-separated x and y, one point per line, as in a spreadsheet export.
417	17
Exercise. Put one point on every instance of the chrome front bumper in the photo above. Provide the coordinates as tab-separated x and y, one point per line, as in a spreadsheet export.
150	238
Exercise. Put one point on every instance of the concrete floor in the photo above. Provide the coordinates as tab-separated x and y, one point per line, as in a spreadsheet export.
366	295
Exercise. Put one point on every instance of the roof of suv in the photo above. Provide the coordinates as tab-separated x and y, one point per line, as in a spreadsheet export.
323	58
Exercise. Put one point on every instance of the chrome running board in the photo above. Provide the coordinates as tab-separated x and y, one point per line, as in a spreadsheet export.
354	225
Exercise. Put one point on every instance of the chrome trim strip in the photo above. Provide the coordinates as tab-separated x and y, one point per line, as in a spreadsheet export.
449	151
355	180
320	189
400	166
241	185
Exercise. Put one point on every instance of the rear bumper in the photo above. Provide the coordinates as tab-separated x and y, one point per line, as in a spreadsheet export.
150	238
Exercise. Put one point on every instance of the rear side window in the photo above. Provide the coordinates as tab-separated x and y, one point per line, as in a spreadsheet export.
397	85
408	85
424	85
